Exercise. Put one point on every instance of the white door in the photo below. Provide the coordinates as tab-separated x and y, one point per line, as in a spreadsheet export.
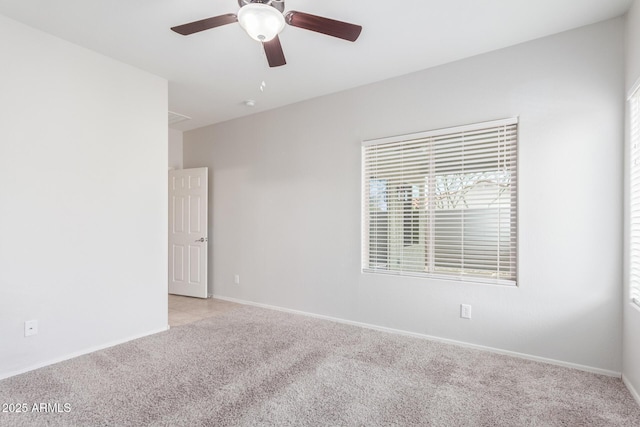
188	232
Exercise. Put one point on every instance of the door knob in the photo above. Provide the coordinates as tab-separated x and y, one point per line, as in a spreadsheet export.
202	239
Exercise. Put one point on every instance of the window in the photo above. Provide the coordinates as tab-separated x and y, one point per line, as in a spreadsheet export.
442	203
634	198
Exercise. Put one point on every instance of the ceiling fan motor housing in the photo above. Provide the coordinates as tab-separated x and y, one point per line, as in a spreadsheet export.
278	4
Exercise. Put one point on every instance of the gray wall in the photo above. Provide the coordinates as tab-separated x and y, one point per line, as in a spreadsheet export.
631	328
175	149
83	216
285	203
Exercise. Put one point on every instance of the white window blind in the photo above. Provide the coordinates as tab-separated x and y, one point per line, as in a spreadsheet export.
634	198
442	203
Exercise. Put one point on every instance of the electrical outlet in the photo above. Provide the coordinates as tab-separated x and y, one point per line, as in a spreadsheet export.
30	327
236	279
465	311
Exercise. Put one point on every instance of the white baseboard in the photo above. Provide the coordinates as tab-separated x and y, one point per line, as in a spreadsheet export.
631	389
585	368
78	353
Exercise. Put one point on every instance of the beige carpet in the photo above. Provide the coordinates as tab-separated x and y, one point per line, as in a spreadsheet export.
258	367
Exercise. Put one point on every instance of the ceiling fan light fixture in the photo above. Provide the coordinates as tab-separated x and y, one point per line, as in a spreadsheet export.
262	22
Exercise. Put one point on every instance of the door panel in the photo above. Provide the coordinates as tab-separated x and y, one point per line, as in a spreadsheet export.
188	242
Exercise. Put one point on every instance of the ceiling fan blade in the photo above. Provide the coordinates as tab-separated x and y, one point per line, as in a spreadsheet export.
205	24
330	27
273	50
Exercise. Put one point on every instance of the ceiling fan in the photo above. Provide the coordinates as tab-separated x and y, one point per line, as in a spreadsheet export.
263	20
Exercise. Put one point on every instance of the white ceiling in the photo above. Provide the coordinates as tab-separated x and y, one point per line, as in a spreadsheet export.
211	73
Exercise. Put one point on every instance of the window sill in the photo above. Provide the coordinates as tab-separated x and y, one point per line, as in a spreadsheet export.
462	279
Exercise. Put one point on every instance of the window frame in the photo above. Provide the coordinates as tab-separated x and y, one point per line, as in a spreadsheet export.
633	192
464	276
